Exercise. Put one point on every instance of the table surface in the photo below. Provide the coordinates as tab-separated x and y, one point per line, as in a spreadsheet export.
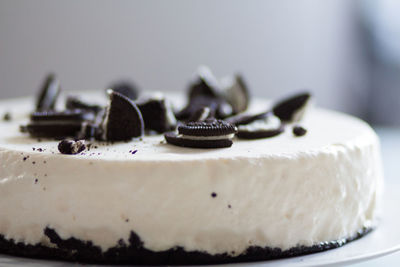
390	142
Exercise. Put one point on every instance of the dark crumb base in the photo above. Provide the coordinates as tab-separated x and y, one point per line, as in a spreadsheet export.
76	250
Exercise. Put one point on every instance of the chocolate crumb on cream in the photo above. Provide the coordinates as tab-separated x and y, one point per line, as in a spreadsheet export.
299	131
71	147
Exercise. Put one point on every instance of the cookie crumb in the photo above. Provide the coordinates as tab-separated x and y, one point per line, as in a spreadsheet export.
299	131
71	147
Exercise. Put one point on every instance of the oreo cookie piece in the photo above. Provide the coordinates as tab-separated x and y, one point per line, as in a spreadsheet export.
53	129
246	118
76	115
71	147
48	94
88	131
293	108
205	91
210	127
201	114
177	140
206	134
236	93
122	120
219	108
76	103
157	114
204	84
125	88
56	124
269	126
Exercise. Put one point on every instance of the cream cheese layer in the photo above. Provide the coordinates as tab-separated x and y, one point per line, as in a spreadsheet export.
275	192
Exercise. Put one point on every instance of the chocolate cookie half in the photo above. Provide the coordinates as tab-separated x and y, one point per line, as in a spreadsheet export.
268	126
205	91
292	109
204	83
206	134
48	93
122	120
157	114
236	92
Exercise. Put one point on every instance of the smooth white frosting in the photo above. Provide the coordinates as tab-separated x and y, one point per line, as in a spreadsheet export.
282	191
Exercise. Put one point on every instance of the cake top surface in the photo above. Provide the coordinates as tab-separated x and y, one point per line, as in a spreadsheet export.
326	130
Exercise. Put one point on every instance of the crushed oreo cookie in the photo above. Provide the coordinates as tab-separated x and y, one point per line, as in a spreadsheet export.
201	114
49	130
299	131
246	118
269	126
133	251
125	88
210	133
73	103
60	116
204	84
293	108
56	124
236	93
71	147
122	120
157	114
213	107
219	108
205	91
48	94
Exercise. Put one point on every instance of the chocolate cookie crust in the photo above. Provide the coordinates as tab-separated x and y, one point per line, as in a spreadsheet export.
76	250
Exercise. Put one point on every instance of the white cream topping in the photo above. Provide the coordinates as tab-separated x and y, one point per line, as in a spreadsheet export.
282	191
215	137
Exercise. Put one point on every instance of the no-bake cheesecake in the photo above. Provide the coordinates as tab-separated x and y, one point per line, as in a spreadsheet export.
147	201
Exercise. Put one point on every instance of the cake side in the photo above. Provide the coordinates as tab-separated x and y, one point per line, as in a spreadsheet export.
279	193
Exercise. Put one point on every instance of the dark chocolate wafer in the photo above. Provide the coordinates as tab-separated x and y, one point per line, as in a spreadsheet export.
48	94
157	114
292	109
122	120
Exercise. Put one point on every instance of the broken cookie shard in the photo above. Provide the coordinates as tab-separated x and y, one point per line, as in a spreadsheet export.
122	120
292	109
48	94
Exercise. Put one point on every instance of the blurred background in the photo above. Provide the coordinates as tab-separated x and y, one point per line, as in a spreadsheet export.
346	52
